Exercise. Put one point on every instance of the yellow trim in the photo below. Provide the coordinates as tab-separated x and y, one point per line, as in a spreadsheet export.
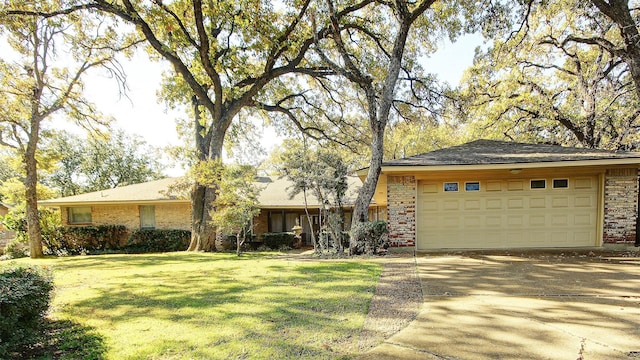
600	229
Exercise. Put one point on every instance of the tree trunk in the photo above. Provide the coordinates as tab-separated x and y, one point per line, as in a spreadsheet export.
368	189
31	182
239	243
203	233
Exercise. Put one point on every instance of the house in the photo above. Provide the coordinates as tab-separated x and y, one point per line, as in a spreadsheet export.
5	235
152	205
496	194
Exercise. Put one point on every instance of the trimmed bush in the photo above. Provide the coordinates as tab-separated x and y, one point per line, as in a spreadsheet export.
277	241
75	240
25	293
155	240
369	236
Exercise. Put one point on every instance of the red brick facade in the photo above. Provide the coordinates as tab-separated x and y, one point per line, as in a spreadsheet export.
401	207
620	206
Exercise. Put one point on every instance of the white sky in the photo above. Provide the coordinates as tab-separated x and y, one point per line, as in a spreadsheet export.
142	114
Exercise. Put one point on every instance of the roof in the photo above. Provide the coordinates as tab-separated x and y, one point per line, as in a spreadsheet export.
274	194
151	191
486	152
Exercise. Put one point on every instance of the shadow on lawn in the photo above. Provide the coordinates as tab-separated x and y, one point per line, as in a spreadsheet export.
146	260
65	339
270	310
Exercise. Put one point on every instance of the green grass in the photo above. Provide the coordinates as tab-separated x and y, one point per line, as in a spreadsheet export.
213	306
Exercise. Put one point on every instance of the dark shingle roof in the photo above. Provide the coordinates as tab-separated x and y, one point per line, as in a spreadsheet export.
485	152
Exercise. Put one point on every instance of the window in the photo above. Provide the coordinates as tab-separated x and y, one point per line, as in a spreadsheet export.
472	186
80	215
560	183
280	221
275	222
538	184
450	186
147	217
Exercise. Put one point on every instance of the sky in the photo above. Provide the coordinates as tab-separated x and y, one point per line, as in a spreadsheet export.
142	114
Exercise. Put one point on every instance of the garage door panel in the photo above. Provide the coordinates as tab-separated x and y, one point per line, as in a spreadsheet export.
429	205
515	220
515	203
538	202
560	202
493	220
584	201
507	213
472	204
493	204
451	205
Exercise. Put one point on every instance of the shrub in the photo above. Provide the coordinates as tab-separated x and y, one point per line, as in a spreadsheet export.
367	237
16	221
25	293
16	249
75	240
277	241
155	240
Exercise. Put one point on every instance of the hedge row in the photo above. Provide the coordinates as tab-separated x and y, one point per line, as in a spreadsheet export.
24	299
115	238
153	240
278	240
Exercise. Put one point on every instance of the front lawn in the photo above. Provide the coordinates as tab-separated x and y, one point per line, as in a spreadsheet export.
213	306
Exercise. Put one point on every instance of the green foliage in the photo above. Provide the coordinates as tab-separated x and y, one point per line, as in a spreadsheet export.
552	82
25	293
12	191
322	173
369	236
156	240
15	249
278	241
16	221
101	162
236	202
81	239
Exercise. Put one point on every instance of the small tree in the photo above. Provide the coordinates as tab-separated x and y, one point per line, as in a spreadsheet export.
236	202
323	173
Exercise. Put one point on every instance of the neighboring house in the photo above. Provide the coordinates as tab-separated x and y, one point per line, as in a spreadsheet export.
150	205
5	235
494	194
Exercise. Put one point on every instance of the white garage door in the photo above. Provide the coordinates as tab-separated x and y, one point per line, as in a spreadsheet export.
540	212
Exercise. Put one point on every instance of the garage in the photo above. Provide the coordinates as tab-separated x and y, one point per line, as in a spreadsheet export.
489	194
560	211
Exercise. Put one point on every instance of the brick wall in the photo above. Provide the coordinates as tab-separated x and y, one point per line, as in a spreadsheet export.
261	223
401	207
620	206
167	216
173	216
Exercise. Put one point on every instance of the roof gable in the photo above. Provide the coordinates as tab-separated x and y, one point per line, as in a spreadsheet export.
486	152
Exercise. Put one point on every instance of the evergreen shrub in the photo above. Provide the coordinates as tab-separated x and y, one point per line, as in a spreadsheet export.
278	241
25	293
156	240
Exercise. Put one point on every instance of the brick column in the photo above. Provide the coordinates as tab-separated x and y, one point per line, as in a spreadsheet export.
620	206
401	208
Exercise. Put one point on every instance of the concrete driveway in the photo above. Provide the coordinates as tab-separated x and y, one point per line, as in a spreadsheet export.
523	306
